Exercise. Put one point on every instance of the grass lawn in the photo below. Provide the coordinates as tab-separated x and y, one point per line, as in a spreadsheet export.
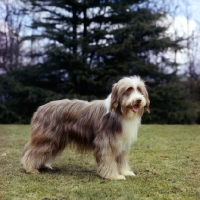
165	159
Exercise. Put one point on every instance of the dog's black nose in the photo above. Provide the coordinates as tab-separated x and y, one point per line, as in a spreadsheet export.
138	101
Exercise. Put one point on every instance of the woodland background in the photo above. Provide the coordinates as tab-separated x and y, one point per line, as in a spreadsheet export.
55	49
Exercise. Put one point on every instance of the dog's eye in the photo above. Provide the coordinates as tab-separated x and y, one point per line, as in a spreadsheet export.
139	90
129	90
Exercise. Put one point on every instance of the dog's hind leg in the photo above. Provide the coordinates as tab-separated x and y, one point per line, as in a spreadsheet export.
48	166
34	159
28	162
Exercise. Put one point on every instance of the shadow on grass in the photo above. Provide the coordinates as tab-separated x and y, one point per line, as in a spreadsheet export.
70	170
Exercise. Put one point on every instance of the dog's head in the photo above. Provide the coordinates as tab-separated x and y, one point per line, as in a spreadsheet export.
129	96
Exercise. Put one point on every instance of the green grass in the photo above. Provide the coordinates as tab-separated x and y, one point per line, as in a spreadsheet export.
166	160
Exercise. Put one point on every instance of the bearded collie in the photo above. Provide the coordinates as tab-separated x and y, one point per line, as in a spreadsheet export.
107	127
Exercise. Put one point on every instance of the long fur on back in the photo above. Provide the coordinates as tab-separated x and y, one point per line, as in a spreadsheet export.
108	127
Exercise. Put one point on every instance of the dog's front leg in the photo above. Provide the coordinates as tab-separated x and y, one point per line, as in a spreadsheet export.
107	165
123	165
107	168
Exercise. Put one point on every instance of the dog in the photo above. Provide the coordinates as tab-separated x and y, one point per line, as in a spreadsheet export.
106	127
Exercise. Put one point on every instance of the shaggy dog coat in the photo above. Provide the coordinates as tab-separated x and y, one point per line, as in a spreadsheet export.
107	127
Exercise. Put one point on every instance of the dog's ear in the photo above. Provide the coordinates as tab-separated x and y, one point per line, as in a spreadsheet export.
147	106
146	96
114	97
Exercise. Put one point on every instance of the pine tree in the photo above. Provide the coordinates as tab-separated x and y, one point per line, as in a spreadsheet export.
93	43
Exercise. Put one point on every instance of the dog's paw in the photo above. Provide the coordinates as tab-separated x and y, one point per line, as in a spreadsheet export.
48	166
128	173
32	171
119	177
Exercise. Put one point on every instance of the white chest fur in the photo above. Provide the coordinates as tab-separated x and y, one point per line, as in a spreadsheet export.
129	133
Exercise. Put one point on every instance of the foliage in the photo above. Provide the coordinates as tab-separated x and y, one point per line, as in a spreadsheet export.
170	105
11	26
18	102
91	44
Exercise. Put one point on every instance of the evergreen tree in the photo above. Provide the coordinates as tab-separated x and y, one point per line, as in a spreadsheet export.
18	102
170	104
93	43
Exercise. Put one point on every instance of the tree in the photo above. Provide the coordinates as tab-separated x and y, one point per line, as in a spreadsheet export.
93	43
101	40
18	102
11	21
